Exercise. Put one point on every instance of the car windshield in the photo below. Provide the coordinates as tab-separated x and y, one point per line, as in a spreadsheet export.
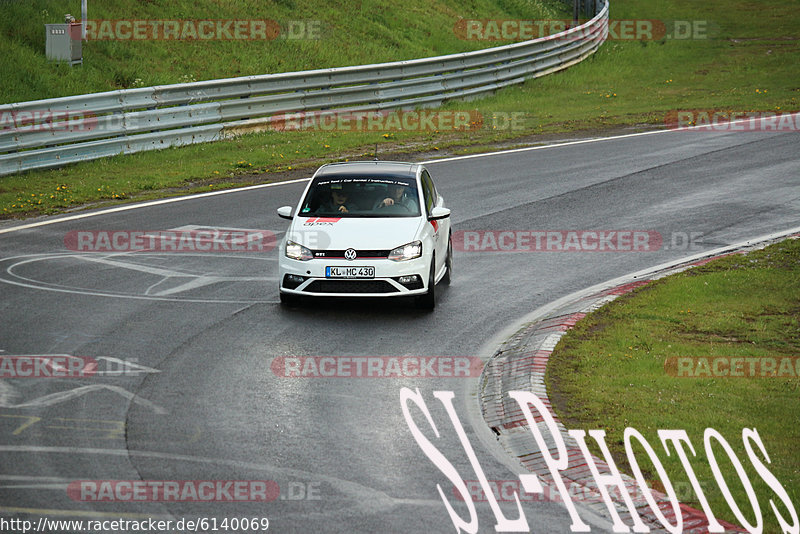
360	196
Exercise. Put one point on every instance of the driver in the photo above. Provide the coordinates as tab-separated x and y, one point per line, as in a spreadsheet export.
397	196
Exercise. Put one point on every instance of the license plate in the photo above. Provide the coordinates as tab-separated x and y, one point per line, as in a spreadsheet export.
349	272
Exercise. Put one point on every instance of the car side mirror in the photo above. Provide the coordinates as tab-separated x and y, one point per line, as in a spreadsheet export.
285	212
439	213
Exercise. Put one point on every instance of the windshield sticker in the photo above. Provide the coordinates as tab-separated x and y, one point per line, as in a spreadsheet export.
322	221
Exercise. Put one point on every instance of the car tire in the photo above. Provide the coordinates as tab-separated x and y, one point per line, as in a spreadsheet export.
427	301
448	276
289	299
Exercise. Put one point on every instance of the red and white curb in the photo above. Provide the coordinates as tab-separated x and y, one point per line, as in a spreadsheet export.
520	364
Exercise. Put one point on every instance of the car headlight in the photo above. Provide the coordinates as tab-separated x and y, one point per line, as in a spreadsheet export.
406	252
296	251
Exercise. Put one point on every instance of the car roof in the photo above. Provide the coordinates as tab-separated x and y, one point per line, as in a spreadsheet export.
399	169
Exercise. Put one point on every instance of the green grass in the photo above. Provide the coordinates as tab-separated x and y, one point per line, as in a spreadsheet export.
609	371
350	33
747	64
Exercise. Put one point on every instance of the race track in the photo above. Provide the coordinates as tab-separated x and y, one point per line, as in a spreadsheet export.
189	339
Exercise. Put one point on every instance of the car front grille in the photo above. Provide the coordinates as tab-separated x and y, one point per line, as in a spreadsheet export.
360	254
351	286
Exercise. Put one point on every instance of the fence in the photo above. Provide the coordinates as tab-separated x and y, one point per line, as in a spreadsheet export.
58	131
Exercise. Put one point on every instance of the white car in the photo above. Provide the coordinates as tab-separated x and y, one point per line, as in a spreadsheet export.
367	229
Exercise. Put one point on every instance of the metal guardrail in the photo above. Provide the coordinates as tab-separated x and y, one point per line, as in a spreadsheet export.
149	118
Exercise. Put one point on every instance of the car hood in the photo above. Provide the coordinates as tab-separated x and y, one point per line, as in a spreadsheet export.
360	233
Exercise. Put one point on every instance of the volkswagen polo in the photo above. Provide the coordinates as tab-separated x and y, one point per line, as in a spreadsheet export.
367	229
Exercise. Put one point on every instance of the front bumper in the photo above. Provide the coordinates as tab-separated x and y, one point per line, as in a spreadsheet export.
308	278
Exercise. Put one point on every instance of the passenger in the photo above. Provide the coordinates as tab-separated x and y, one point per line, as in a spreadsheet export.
339	201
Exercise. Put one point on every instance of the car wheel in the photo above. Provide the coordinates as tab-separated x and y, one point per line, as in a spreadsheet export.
427	301
448	276
289	299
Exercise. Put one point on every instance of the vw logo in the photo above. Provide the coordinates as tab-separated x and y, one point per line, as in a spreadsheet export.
350	254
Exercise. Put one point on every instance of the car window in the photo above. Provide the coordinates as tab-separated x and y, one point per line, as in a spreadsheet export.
360	196
428	190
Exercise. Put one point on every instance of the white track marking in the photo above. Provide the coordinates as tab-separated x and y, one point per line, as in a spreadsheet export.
64	396
165	295
124	367
367	499
128	207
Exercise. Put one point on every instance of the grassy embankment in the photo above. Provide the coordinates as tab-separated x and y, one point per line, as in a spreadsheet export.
743	58
609	372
